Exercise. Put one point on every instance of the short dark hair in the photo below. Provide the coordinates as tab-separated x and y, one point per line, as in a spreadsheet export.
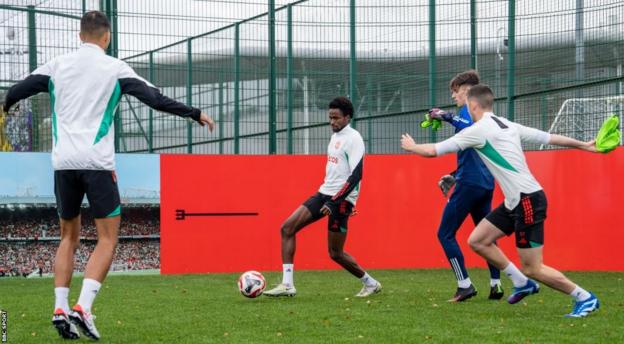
469	77
483	95
94	23
343	104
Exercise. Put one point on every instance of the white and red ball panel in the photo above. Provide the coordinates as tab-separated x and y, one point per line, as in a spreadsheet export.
251	284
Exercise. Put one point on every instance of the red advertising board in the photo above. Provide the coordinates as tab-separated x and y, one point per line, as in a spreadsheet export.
233	206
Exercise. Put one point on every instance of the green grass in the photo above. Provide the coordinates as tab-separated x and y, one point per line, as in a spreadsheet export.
411	309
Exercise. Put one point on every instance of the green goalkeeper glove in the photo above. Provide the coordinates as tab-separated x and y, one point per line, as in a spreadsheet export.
434	123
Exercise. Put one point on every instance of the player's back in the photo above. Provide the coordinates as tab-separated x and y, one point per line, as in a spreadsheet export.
83	84
84	92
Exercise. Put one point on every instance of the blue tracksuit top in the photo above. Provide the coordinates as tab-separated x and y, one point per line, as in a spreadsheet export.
470	168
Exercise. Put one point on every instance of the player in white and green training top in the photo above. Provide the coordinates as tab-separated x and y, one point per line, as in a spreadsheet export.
85	88
498	142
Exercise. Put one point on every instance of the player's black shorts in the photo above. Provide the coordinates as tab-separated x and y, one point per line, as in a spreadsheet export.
338	220
526	219
100	186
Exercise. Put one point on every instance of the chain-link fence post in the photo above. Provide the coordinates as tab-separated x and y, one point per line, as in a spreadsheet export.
236	88
352	59
272	81
32	65
150	112
473	34
432	61
289	77
511	68
189	93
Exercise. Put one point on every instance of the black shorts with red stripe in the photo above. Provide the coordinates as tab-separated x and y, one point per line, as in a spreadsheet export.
338	221
526	219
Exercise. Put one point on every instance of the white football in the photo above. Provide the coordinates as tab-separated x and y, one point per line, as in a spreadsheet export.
251	284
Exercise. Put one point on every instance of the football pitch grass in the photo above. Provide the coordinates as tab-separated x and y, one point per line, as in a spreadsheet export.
411	309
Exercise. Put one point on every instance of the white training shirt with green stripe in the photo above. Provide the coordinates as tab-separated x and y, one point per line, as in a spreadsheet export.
498	142
85	88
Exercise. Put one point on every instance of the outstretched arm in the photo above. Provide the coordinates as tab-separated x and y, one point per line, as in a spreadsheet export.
427	150
564	141
468	138
149	95
533	135
36	82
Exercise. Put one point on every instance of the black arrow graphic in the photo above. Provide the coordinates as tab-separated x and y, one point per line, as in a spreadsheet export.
181	214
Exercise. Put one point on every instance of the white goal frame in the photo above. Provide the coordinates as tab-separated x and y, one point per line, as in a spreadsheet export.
610	104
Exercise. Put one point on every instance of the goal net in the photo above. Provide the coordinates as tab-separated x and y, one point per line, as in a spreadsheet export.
581	118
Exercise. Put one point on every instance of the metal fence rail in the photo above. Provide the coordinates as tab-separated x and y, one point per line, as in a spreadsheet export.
267	79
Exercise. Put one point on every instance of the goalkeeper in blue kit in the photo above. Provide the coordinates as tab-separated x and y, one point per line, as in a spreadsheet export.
472	195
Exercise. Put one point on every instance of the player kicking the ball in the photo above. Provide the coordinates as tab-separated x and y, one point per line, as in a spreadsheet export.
335	198
498	143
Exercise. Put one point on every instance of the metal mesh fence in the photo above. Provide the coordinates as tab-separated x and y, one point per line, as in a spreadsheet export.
34	32
268	82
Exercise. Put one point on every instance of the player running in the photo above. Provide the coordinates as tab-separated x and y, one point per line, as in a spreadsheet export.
335	198
85	88
498	143
472	194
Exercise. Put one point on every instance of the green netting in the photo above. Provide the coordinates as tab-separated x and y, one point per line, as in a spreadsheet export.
394	58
